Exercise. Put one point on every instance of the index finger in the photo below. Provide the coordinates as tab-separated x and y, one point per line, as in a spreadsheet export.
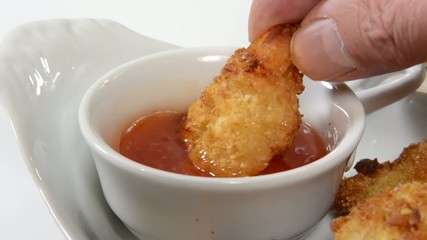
267	13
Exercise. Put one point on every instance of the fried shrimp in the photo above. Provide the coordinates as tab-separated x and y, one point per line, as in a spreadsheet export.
393	214
250	112
373	177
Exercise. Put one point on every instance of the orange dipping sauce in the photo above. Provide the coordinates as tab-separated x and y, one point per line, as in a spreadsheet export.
155	141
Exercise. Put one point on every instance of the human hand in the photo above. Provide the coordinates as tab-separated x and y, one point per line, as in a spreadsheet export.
348	39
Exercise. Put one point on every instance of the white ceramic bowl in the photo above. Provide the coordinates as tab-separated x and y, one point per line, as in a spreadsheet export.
160	205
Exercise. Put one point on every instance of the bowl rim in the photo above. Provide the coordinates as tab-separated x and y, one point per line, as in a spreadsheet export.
343	150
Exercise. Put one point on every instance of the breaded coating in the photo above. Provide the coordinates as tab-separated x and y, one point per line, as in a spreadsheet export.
400	213
250	112
373	177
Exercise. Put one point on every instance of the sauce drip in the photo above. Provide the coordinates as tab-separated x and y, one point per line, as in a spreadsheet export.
155	140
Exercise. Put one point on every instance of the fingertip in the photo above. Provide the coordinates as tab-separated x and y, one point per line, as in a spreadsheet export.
318	50
257	19
267	13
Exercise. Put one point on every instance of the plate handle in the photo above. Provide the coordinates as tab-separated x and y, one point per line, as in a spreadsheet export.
380	91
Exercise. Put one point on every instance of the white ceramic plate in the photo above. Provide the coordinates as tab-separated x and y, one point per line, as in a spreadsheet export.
45	68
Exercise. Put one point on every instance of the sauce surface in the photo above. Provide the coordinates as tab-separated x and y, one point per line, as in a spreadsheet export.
155	140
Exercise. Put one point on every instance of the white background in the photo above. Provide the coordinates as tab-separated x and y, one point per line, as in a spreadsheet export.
187	23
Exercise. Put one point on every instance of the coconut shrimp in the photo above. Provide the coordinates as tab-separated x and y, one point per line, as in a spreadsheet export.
250	112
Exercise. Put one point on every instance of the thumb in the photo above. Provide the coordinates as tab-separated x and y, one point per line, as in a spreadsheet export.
348	39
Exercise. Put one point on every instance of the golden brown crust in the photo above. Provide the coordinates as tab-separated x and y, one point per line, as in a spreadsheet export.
400	213
250	112
373	177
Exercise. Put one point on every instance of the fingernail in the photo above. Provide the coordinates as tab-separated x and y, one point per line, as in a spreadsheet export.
319	51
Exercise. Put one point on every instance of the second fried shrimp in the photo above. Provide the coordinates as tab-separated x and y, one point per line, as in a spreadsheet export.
373	177
250	112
